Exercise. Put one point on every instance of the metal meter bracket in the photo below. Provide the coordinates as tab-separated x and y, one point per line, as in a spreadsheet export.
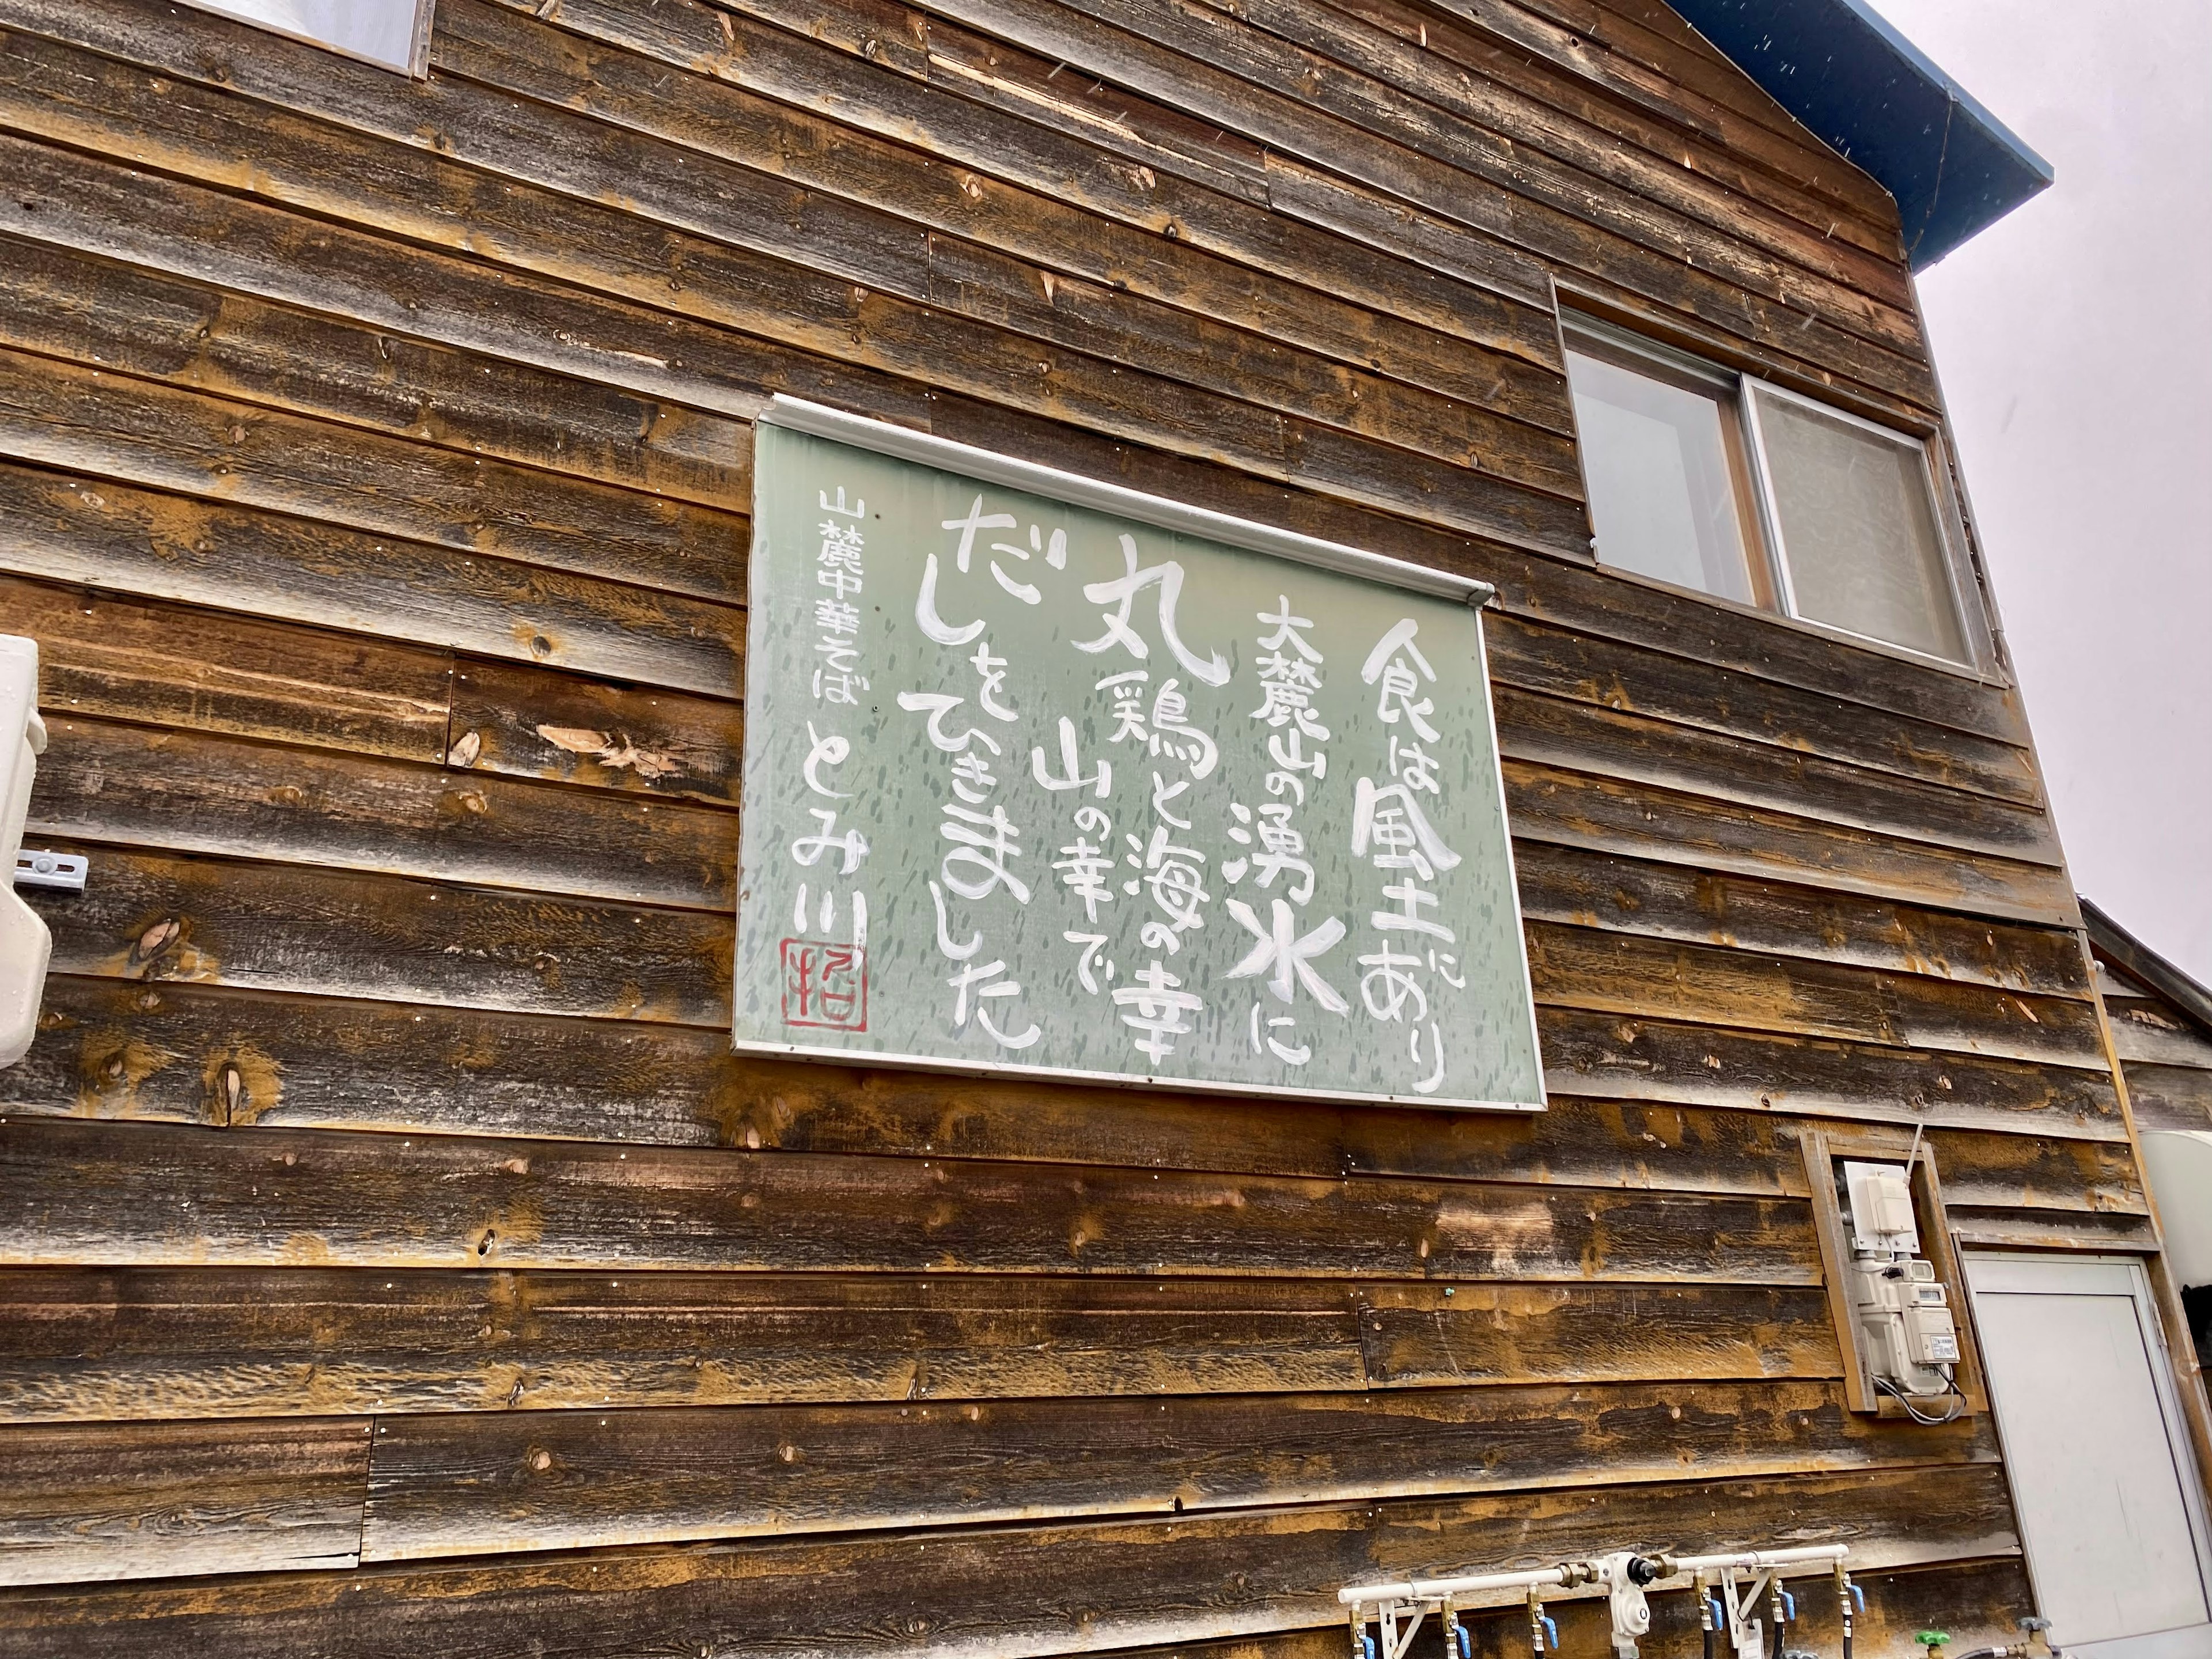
64	871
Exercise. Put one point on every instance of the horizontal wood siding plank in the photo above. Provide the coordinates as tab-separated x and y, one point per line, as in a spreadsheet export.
2170	1096
1586	668
479	1483
2039	1229
144	1194
141	432
1590	600
191	1054
66	304
79	1344
175	665
1608	814
1614	1058
1578	1142
1087	1585
320	932
1658	901
187	792
112	537
186	1053
2146	1033
171	665
1556	732
161	1500
528	722
1628	974
157	917
2027	1172
1447	1335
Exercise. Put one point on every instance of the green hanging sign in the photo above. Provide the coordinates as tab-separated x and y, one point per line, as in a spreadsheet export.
1046	776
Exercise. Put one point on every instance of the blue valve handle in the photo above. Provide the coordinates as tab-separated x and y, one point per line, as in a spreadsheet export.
1720	1614
1367	1642
1789	1606
1466	1642
1859	1596
1550	1634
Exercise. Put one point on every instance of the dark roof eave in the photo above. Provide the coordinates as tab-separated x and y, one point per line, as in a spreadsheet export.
1877	100
2115	943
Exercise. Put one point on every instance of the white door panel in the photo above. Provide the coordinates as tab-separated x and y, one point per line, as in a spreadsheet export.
2110	1512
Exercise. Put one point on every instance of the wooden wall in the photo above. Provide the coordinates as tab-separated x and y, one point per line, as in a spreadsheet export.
2165	1053
395	1261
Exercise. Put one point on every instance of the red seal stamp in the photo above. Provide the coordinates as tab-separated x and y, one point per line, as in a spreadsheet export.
825	985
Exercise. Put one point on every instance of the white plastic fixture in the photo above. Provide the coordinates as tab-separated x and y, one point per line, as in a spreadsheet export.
2178	1164
1881	1208
25	946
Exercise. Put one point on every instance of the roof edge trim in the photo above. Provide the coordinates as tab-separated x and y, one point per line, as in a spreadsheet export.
1851	79
2172	983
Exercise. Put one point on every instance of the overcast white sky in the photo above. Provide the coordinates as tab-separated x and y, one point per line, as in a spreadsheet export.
2075	343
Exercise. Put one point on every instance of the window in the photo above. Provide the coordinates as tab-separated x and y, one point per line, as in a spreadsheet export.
392	33
1713	480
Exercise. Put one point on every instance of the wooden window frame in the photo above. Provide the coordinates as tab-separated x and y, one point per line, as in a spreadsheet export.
1824	1148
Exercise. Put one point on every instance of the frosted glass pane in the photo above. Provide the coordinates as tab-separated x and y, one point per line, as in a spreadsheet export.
1858	530
1661	496
382	30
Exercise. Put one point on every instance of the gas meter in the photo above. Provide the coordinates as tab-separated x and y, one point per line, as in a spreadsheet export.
1904	1314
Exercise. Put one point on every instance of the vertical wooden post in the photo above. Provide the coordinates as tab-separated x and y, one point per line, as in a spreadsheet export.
2181	1350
